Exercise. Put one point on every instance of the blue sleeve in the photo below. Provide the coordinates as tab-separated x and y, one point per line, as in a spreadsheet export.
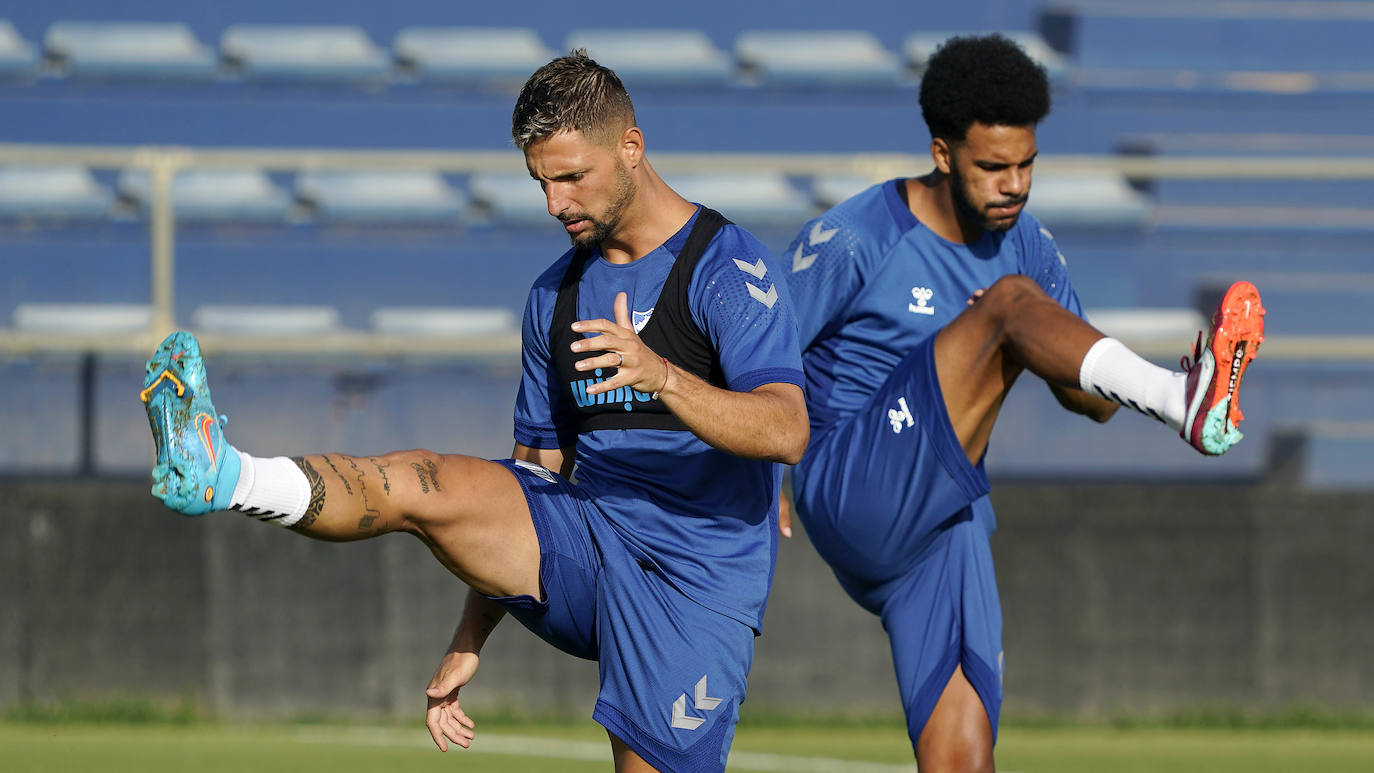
1042	261
542	419
822	269
737	300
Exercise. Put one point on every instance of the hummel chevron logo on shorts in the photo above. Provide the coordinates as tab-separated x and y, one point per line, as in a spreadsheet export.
703	702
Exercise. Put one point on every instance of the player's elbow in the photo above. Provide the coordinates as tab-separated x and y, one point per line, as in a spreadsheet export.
793	442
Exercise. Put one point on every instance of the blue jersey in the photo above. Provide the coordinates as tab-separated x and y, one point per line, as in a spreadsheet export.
705	518
870	281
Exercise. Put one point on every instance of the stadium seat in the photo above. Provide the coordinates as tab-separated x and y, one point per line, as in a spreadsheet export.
831	189
212	195
404	196
444	321
267	320
1336	454
834	58
117	50
656	57
750	199
510	198
470	54
82	318
918	47
1088	199
303	52
1304	302
1139	326
17	57
52	192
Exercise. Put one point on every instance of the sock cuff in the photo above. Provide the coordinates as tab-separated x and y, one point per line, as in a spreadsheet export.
272	489
1096	352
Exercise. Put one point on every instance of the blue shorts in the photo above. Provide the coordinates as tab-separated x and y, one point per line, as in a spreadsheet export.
672	671
892	503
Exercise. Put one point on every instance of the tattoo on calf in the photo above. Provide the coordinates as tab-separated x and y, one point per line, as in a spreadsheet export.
348	489
381	470
316	494
428	474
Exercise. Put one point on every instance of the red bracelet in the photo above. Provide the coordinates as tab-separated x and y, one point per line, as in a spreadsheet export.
666	372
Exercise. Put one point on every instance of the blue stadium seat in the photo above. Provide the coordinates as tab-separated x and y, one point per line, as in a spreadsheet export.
510	197
1140	326
470	54
656	57
1305	302
17	57
747	198
831	189
212	195
265	320
82	318
1088	199
52	192
117	50
402	196
303	52
918	47
834	58
444	321
1336	454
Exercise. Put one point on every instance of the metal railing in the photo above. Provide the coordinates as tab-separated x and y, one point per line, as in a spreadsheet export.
162	164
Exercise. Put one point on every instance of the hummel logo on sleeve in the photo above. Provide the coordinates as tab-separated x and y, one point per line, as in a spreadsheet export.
818	235
900	417
758	271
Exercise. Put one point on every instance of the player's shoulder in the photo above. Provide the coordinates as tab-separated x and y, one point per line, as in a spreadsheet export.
1034	241
869	222
552	276
732	245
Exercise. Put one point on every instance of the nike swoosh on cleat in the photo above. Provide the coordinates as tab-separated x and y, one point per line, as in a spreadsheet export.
204	422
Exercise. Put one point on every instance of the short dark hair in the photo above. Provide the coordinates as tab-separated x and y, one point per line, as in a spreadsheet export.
985	79
571	93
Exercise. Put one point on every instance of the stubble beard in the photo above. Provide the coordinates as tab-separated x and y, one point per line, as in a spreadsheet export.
607	223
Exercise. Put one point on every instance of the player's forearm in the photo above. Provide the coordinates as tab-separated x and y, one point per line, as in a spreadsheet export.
480	617
768	423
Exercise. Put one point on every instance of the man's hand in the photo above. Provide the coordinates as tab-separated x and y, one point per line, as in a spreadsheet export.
445	718
637	366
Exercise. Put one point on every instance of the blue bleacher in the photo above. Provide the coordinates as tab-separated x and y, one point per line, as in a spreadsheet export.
919	46
227	195
400	196
115	50
470	55
17	56
656	57
52	192
308	52
817	58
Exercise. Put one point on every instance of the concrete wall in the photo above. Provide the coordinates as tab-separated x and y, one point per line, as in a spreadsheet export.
1117	598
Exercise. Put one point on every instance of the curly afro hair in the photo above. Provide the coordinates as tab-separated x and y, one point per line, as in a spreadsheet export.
986	79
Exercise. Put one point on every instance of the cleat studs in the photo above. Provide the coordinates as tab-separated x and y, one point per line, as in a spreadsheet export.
209	493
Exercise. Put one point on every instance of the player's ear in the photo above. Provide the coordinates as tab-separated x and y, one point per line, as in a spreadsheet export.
631	146
942	154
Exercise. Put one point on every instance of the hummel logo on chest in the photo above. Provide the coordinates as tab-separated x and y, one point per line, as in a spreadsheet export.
922	296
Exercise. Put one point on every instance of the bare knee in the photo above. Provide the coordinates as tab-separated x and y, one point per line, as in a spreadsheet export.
952	753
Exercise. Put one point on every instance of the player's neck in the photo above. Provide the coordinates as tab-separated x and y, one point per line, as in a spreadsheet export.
931	201
653	216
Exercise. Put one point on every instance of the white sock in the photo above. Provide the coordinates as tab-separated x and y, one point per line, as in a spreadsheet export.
1112	371
272	490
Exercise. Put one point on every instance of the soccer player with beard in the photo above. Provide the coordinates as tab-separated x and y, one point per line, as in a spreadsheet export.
919	303
676	413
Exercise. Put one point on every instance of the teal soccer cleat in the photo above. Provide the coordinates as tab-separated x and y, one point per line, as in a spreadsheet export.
196	468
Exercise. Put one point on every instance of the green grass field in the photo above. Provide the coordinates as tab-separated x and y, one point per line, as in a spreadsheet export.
34	747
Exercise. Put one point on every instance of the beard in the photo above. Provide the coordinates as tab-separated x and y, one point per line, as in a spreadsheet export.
605	224
970	212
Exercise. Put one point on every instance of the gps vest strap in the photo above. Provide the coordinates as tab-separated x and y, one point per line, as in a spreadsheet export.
670	332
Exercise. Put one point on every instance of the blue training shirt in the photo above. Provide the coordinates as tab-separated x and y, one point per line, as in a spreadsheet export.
870	281
706	518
